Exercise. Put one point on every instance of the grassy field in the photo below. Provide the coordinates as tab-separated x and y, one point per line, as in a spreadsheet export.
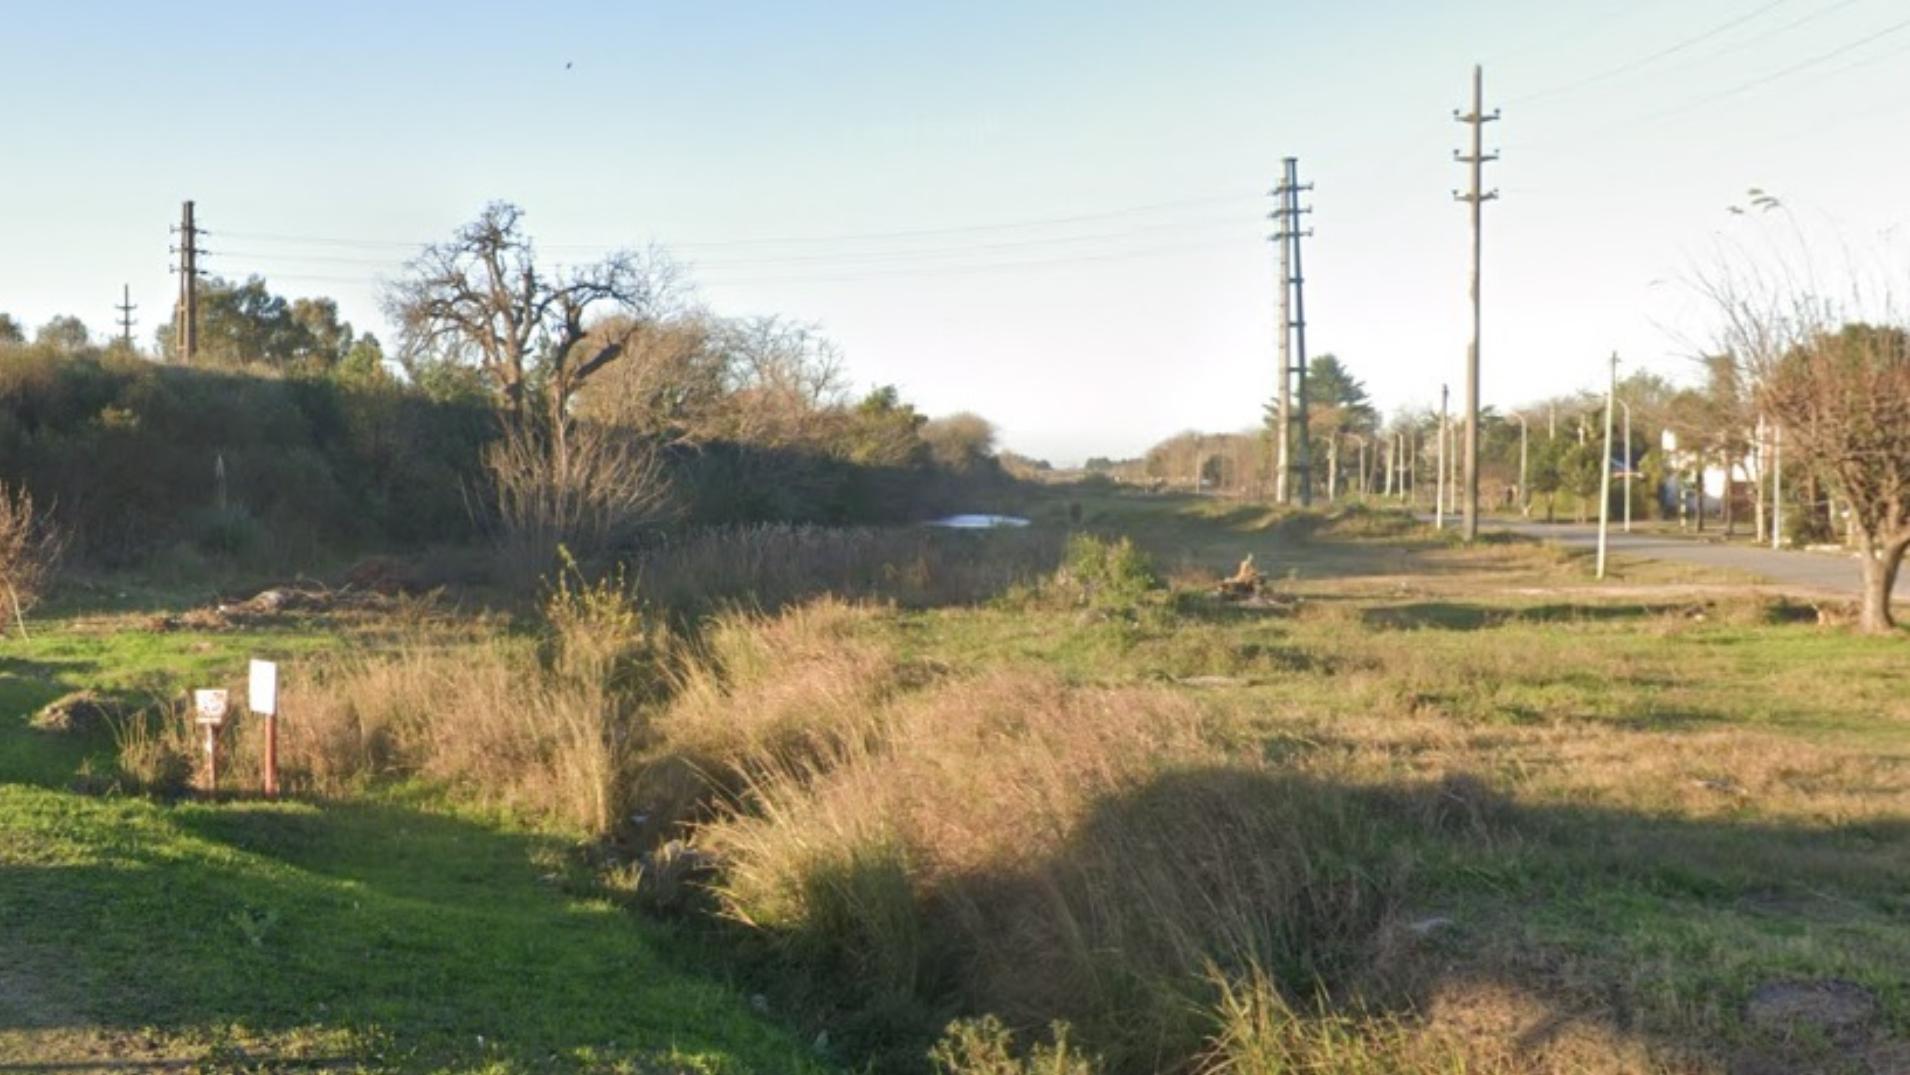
1413	807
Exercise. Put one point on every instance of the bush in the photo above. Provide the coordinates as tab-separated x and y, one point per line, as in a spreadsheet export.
590	489
29	551
1106	575
985	1047
546	728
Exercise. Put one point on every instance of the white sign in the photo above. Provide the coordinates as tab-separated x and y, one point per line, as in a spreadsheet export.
210	706
263	695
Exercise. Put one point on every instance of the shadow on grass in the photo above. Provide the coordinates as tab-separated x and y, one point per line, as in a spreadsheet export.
1318	883
1467	616
440	943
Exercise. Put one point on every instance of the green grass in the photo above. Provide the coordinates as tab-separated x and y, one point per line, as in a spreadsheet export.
1682	795
394	933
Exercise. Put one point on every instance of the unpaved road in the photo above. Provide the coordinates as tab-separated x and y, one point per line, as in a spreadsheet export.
1821	571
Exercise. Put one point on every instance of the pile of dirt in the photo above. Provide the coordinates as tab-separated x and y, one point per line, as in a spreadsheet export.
78	713
273	604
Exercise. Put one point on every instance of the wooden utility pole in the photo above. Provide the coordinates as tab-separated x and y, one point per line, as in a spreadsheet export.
126	308
1283	463
1476	198
186	328
1291	233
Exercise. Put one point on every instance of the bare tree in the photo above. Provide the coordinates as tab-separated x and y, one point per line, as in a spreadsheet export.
539	336
1843	398
482	300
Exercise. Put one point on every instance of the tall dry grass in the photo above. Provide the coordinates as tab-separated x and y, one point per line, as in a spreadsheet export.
30	547
1012	844
771	566
544	726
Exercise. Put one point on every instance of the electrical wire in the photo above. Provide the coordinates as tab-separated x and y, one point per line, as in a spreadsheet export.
1645	61
794	240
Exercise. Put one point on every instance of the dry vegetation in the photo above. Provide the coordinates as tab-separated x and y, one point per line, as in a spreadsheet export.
29	549
1379	823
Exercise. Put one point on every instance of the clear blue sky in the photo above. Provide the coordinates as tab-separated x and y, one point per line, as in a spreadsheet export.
1049	213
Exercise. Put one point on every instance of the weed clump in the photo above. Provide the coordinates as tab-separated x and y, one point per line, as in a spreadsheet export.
1102	575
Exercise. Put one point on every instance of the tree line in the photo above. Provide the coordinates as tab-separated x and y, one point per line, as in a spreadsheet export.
587	407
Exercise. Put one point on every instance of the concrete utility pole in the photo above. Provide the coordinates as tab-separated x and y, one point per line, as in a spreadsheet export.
1605	469
1439	478
1283	463
1627	409
1476	199
1291	233
187	327
126	308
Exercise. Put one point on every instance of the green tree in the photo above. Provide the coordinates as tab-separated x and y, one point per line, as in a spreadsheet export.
65	334
960	441
10	331
1338	407
882	430
1843	396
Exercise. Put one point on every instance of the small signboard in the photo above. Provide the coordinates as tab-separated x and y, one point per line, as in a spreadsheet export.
209	706
262	695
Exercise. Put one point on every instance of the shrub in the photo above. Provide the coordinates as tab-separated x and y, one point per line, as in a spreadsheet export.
985	1047
156	750
547	728
1101	574
588	488
29	551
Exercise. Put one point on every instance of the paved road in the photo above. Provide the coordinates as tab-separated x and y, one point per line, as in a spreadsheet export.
1790	567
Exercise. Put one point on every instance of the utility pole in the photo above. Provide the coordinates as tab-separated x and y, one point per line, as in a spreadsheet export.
187	327
1605	469
1294	285
126	309
1439	478
1476	199
1283	464
1777	486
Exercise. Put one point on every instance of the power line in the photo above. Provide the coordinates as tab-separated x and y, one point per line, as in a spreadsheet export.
1645	61
792	240
886	274
1593	137
849	258
1801	65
